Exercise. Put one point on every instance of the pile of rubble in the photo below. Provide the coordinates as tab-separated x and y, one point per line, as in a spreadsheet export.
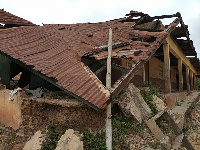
133	103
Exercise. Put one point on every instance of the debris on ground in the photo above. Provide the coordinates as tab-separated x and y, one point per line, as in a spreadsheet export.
36	93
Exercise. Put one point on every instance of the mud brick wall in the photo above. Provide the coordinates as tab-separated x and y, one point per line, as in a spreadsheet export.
37	114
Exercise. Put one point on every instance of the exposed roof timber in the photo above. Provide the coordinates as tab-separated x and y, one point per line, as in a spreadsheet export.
149	30
138	22
135	14
187	33
125	79
146	18
171	26
176	51
162	17
99	70
183	42
178	32
149	19
154	24
186	47
105	48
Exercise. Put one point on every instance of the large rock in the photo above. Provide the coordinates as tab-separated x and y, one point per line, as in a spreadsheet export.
132	103
70	141
160	105
35	143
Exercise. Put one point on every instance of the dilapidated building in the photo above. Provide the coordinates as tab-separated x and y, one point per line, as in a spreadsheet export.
72	56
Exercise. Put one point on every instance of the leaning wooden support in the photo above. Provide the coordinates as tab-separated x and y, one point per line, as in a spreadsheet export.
108	86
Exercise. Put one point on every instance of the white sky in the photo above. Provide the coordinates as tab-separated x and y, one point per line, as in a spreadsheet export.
78	11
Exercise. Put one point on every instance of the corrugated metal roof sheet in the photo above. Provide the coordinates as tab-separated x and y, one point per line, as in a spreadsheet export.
8	18
56	51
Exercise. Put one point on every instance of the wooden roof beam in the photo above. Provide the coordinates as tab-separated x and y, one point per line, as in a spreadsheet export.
177	52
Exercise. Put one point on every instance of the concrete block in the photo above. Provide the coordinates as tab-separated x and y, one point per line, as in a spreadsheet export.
177	142
155	129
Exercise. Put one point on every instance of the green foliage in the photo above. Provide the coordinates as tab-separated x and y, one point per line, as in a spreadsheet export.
120	127
94	140
198	84
185	129
11	138
147	96
53	135
154	144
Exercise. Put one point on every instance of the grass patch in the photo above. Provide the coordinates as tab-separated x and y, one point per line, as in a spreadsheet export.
10	139
120	127
154	144
185	129
148	98
52	138
93	140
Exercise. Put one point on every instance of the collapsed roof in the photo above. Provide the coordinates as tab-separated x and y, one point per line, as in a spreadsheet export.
55	52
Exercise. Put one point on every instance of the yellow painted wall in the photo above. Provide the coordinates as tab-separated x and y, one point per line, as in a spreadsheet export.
156	70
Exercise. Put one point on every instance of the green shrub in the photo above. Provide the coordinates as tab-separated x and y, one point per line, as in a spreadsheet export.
94	140
120	127
52	138
148	98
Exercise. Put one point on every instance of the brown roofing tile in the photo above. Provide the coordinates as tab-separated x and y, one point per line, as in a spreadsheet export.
8	18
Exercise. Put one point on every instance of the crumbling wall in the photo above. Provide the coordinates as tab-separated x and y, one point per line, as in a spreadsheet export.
39	113
10	111
156	72
30	115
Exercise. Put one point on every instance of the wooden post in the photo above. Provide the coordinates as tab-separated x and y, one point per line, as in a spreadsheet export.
167	67
188	78
195	85
108	86
191	80
143	74
180	72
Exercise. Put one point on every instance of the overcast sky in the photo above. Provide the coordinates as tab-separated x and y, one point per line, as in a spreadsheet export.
79	11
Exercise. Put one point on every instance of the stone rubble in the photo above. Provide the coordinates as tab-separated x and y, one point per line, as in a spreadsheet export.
132	103
70	141
35	143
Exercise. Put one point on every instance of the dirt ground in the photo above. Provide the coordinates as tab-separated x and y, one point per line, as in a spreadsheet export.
192	127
